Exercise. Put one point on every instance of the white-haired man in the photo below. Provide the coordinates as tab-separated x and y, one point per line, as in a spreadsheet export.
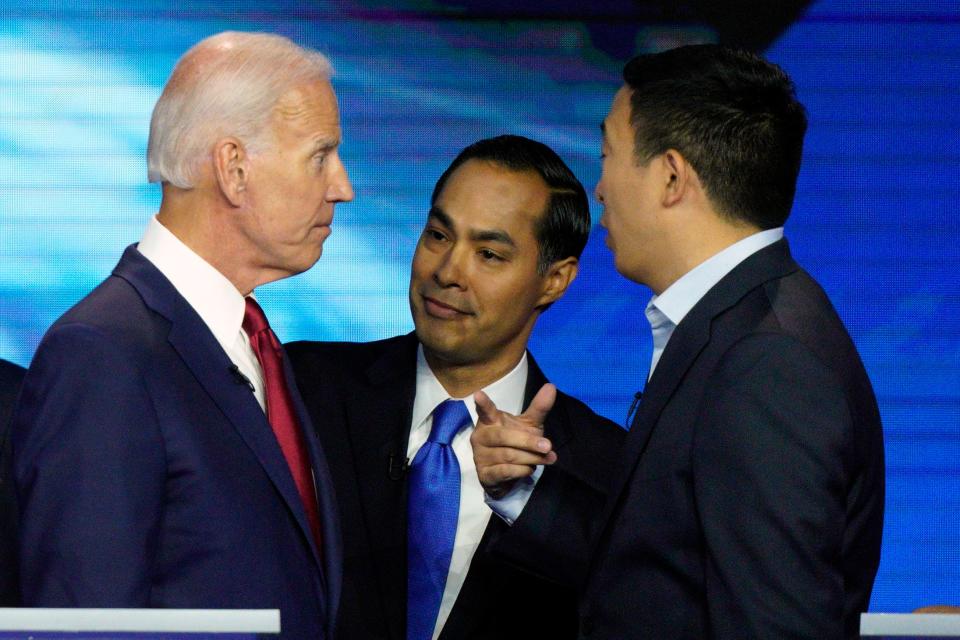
162	455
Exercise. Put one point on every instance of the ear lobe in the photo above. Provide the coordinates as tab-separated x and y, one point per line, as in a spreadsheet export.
559	276
677	174
231	167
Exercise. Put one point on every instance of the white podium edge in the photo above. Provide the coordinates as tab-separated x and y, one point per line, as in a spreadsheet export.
266	621
932	625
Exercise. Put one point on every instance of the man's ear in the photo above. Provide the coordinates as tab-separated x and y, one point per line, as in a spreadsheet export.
558	277
231	165
676	175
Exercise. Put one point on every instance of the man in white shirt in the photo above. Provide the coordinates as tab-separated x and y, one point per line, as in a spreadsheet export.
507	225
748	501
162	455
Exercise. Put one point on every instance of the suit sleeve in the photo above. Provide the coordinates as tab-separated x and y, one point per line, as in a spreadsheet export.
89	470
553	535
769	484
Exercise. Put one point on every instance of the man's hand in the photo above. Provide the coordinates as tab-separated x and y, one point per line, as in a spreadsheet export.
508	447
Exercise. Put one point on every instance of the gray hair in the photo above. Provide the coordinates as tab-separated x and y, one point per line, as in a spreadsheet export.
225	85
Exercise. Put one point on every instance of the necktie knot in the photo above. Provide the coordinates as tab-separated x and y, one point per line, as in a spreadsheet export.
449	418
255	322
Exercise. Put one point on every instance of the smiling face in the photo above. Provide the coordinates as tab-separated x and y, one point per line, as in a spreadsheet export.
295	181
475	292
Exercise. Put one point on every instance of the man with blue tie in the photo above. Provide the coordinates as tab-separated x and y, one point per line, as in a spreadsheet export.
502	240
162	454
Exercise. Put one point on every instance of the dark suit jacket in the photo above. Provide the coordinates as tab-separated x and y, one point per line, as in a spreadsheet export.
361	396
148	475
748	502
10	377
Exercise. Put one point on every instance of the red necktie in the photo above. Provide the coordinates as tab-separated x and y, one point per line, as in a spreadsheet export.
280	412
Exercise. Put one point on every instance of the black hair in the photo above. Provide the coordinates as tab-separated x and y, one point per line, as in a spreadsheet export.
563	228
732	115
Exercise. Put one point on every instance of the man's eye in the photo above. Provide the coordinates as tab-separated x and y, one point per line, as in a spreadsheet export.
488	255
433	234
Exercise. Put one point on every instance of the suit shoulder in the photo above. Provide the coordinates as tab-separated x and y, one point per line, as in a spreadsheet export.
601	432
315	355
10	374
113	313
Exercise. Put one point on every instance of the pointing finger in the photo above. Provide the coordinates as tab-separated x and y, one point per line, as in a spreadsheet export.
487	412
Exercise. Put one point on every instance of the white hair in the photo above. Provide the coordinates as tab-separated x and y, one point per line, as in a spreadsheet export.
225	85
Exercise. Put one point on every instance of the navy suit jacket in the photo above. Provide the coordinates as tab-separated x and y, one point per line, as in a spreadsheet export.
148	475
10	377
364	394
748	500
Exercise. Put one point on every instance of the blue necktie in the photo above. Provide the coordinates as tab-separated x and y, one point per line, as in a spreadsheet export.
433	504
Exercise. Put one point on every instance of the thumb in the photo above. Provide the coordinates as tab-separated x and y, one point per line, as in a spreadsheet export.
541	404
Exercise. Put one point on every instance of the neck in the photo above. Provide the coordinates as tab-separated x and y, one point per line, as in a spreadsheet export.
462	380
693	249
199	225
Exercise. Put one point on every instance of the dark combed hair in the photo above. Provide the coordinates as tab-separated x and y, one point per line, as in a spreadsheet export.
735	118
563	228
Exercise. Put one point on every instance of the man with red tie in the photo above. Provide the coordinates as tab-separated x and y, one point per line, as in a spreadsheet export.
162	455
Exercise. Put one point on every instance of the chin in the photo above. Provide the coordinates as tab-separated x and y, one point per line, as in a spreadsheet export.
436	346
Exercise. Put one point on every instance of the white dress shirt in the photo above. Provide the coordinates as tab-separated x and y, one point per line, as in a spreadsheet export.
507	394
664	312
212	296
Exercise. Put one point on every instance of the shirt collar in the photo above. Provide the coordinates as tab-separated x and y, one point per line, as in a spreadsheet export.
507	392
680	297
214	298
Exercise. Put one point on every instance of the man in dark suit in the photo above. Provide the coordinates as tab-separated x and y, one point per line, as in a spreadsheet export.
10	378
506	228
748	502
162	455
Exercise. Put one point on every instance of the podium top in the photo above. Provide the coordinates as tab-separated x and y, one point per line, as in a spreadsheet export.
251	621
910	625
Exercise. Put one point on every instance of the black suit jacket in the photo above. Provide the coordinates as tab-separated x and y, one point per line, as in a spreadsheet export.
10	377
748	502
364	393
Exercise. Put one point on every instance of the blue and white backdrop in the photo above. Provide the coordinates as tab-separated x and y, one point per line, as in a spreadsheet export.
875	219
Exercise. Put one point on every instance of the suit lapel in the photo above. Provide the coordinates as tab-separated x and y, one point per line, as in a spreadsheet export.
687	342
331	556
554	427
379	416
208	362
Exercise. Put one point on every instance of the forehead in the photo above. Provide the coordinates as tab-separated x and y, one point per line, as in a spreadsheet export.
308	111
616	126
485	195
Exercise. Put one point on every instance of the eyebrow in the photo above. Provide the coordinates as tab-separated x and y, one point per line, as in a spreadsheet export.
326	143
483	235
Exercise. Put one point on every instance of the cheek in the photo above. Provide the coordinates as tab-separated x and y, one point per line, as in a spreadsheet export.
420	267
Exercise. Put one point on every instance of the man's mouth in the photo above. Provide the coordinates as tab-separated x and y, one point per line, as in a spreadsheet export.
439	309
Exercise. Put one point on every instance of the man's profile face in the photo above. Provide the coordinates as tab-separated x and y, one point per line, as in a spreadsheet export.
474	286
296	180
629	194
